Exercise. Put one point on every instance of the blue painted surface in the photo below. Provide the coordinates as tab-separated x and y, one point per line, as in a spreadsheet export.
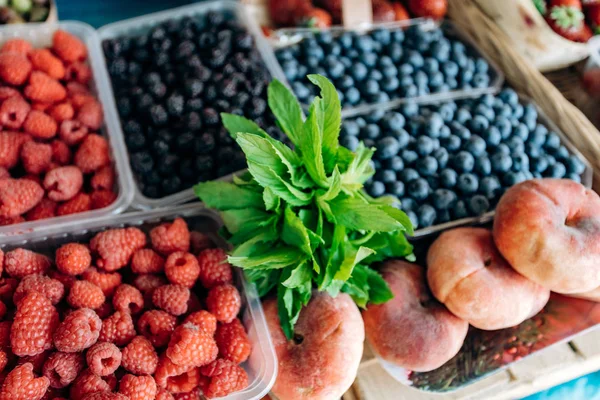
584	388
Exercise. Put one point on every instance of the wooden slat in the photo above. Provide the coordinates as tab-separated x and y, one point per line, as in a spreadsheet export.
588	345
546	362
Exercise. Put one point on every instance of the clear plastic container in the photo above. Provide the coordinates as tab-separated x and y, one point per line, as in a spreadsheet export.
41	35
289	36
262	364
586	177
139	25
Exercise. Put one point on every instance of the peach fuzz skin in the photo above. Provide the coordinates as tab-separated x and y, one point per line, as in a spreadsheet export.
322	363
549	231
468	274
413	330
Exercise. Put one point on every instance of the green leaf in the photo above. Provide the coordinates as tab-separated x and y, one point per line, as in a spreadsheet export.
352	258
359	170
282	188
276	258
335	186
237	124
255	244
236	220
335	257
357	215
264	279
259	151
270	199
357	287
289	305
344	158
224	195
310	144
332	121
401	217
294	233
379	290
286	109
298	276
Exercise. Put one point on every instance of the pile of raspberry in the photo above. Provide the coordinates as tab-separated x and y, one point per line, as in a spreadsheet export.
53	162
122	317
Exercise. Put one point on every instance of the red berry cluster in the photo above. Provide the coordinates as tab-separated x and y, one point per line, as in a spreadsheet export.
119	318
52	161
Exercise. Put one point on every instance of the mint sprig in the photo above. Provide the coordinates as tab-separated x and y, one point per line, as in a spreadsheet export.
299	219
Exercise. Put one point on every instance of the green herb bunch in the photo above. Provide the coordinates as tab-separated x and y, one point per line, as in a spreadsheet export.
299	218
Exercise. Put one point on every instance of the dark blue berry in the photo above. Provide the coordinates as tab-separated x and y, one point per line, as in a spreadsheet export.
463	161
427	215
409	156
444	199
359	72
509	96
459	211
562	153
376	189
427	166
442	157
396	188
539	164
520	163
424	145
475	145
479	204
479	124
516	145
394	122
521	132
350	128
387	147
386	176
352	96
408	175
408	204
504	126
462	115
489	186
418	189
483	166
575	165
512	178
370	131
467	183
558	170
395	163
538	135
492	136
452	143
501	162
448	178
350	142
573	177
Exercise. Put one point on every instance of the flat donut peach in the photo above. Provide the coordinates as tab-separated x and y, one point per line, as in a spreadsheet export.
466	272
413	330
549	231
322	361
592	295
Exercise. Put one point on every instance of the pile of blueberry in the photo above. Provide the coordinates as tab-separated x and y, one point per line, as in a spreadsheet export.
455	159
171	84
384	64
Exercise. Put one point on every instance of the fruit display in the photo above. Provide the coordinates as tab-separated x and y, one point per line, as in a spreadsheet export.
20	11
575	20
385	64
324	13
140	312
455	159
171	83
54	160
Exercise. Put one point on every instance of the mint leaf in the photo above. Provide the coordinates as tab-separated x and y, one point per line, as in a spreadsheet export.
271	201
236	124
379	290
259	151
359	170
357	215
275	258
335	186
310	144
357	287
286	109
294	233
298	276
264	279
269	178
332	119
351	258
399	216
224	195
336	255
236	220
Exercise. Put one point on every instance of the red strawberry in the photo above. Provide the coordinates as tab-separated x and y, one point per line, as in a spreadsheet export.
566	3
316	18
383	11
401	12
428	8
284	12
567	22
593	16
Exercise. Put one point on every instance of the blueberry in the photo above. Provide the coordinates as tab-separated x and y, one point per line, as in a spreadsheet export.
504	126
462	115
361	122
467	183
371	87
427	215
532	150
370	60
381	97
390	84
502	148
406	81
424	145
359	72
475	145
550	159
492	136
394	122
479	204
573	177
369	143
409	156
444	199
387	148
395	51
445	132
465	75
479	124
415	59
562	153
376	189
539	164
375	116
142	162
441	51
481	80
408	204
350	128
406	69
345	40
513	178
558	170
135	141
442	157
433	125
350	142
516	145
427	166
459	211
376	164
410	91
521	131
371	131
352	96
463	161
408	175
414	220
383	36
396	188
335	68
386	176
520	163
452	143
509	96
501	162
530	112
420	78
403	138
485	111
489	186
538	135
450	69
436	80
575	165
483	166
395	163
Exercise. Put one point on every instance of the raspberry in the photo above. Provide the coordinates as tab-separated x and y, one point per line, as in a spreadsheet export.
33	325
85	294
108	282
103	358
162	394
171	298
175	378
51	288
37	361
199	241
115	247
3	360
8	286
118	329
45	209
3	310
105	396
73	258
61	154
68	47
92	154
182	269
214	268
72	132
39	106
4	173
77	88
33	178
102	198
78	100
105	310
157	326
14	68
19	263
63	183
104	178
194	303
194	394
87	383
10	148
90	114
21	384
191	347
62	368
44	89
79	72
146	283
226	377
203	320
233	342
66	280
139	357
13	112
80	203
147	261
224	302
40	125
138	387
170	237
62	112
128	299
79	331
5	328
16	45
36	157
7	92
43	60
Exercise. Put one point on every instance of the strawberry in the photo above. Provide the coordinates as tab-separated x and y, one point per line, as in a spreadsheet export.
284	12
593	16
567	22
383	11
333	7
565	3
316	18
401	12
435	9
